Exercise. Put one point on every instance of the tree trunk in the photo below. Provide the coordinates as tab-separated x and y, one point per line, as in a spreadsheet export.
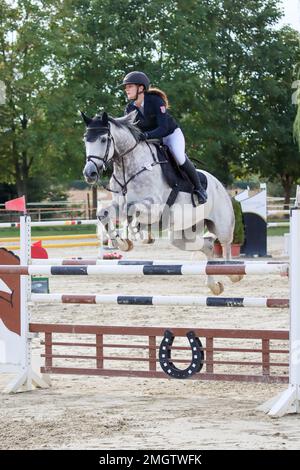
18	173
22	173
22	187
88	206
21	163
95	201
225	175
287	183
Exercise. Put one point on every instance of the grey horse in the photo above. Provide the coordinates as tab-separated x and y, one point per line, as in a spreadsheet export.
140	193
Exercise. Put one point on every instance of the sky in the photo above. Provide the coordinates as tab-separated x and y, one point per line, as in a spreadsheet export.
292	13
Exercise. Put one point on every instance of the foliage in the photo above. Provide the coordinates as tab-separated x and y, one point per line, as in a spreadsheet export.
271	149
226	70
226	36
23	58
238	234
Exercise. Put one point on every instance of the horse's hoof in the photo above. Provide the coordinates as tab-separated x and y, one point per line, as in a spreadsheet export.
114	244
236	277
217	288
149	241
125	244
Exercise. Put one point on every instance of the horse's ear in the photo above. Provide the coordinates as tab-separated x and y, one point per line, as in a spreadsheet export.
86	119
104	119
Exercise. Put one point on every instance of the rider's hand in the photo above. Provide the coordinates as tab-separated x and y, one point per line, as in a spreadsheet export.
143	136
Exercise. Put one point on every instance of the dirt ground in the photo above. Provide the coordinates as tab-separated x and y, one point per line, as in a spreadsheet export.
81	412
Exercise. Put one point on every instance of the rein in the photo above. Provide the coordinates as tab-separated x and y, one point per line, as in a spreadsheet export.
124	187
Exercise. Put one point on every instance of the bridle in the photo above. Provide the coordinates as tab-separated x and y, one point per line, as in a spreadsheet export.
104	160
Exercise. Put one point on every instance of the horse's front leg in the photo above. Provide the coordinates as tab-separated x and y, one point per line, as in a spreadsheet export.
108	217
140	216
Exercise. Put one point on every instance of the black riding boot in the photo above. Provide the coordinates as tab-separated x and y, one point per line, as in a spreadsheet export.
192	175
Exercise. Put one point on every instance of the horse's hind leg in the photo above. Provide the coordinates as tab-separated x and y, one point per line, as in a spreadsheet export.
226	247
189	240
208	249
224	235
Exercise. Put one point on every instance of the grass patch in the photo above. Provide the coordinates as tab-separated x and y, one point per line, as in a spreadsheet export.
277	231
82	229
44	231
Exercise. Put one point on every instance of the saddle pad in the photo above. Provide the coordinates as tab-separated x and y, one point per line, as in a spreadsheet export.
175	177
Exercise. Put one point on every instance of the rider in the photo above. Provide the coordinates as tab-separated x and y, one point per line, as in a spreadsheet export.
155	122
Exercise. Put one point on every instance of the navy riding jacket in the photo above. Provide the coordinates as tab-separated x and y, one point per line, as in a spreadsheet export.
155	122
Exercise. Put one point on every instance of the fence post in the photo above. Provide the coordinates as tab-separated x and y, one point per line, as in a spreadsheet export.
289	400
27	378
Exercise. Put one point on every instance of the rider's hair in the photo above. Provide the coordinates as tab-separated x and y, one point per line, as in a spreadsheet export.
158	92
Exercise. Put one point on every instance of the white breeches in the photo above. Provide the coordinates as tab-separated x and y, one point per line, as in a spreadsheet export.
176	143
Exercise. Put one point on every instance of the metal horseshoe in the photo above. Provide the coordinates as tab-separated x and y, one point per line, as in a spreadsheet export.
165	356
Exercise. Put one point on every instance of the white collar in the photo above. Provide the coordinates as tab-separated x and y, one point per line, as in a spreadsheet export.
141	106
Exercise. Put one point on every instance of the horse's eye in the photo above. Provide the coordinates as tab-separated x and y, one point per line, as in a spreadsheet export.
103	139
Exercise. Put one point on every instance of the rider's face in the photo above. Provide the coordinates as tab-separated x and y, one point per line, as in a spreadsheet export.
131	91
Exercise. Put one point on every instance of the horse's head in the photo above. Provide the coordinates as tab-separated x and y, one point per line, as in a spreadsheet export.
107	139
99	146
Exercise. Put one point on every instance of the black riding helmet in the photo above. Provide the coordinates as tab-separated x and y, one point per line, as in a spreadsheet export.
136	78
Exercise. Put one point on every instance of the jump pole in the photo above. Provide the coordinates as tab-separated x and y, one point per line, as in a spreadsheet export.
192	300
146	270
289	400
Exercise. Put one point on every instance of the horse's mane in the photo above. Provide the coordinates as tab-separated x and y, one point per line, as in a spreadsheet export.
129	122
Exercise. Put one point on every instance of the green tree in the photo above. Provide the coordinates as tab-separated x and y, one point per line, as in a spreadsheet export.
40	129
271	149
213	72
59	57
23	58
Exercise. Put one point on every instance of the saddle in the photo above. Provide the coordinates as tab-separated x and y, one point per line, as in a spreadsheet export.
174	176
